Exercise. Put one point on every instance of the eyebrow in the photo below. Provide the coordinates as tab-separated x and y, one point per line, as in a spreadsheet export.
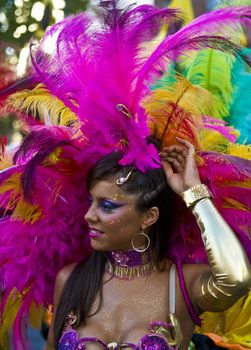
109	199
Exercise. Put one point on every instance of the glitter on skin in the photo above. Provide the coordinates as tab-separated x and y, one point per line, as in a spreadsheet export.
108	218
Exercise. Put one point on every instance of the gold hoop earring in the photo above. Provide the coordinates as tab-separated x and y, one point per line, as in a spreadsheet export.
144	248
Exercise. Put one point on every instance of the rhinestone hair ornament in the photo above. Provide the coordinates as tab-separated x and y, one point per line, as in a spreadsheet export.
123	179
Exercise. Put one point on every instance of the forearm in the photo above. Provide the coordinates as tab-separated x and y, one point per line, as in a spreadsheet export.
230	269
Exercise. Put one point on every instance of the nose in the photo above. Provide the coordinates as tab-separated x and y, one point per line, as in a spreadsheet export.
91	215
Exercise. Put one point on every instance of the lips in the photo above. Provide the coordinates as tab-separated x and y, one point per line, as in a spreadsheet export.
93	233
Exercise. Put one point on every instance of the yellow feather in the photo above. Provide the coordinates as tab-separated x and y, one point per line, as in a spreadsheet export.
36	315
53	157
5	156
211	140
40	102
186	6
192	98
12	307
231	328
232	203
21	209
238	150
4	163
172	105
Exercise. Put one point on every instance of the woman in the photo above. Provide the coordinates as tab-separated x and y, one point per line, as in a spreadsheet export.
95	88
102	302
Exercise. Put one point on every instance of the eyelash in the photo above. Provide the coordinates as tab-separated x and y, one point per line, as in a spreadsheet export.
106	206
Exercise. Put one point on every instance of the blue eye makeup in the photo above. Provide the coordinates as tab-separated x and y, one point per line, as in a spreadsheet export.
108	206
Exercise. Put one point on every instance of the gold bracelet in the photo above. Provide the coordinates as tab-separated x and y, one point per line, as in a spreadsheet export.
195	194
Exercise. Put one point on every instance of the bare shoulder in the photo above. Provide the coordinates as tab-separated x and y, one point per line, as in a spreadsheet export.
63	275
190	271
61	279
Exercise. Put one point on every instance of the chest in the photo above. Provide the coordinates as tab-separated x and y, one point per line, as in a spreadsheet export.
128	307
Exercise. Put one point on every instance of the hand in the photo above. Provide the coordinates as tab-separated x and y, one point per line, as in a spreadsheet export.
179	166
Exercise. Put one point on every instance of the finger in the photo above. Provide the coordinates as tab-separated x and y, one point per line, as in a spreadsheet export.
190	147
188	144
174	153
163	153
176	165
177	148
177	156
177	159
168	169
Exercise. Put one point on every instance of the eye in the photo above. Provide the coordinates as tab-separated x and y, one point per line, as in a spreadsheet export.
109	206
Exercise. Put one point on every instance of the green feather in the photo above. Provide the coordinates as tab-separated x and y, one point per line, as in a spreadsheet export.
240	109
211	69
166	79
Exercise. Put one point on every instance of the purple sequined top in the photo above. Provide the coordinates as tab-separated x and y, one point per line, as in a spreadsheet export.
151	341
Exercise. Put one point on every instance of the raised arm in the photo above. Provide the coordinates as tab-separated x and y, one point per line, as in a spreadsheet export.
230	275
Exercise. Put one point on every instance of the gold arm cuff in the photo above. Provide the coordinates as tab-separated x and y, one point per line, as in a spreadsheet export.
195	194
230	276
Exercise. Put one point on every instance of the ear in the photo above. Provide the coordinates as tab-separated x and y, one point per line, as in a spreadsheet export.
150	217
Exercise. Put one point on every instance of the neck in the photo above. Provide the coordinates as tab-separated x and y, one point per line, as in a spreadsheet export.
129	264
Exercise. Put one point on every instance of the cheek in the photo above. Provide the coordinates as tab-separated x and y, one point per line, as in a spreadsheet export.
115	223
126	221
112	220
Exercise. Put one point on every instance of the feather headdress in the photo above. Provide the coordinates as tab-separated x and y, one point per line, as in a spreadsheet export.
96	89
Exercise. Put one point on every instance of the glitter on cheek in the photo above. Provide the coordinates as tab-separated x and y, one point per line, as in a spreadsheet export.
117	222
114	222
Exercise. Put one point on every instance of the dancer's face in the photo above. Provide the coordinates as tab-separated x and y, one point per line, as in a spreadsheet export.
113	218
